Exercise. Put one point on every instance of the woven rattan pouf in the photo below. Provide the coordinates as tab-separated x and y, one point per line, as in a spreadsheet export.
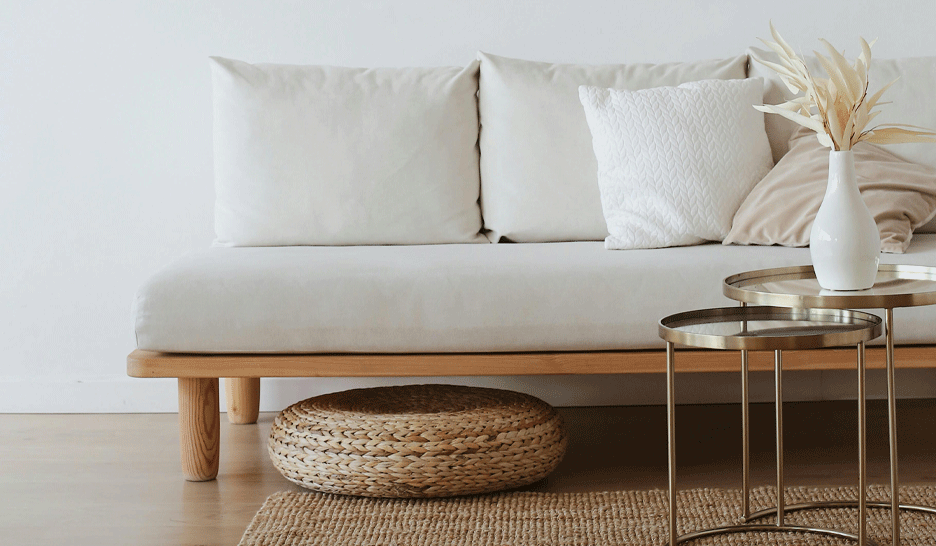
417	441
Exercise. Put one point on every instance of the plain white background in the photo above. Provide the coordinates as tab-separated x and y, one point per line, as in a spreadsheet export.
106	166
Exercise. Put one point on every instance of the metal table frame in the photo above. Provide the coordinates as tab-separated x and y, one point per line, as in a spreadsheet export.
854	328
889	292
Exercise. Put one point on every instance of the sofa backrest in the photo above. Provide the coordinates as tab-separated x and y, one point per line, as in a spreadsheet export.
312	155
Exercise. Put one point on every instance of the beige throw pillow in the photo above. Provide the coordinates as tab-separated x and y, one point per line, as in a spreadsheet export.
780	210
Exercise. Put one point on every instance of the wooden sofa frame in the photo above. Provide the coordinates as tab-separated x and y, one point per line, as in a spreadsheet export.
198	375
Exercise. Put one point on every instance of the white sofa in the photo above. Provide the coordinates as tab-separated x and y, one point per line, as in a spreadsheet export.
281	296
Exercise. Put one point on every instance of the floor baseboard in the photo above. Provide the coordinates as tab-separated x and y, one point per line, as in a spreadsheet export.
120	394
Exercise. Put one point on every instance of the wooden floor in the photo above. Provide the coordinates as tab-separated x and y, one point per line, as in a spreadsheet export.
115	479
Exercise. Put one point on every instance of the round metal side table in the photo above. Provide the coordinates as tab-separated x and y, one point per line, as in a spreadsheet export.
777	329
895	286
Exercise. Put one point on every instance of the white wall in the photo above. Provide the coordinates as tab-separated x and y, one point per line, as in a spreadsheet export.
105	145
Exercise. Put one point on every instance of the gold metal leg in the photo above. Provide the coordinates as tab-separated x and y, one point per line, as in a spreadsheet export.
892	426
745	434
746	438
862	502
671	425
778	378
781	508
862	450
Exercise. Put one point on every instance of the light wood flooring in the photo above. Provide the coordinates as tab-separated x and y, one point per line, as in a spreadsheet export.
115	479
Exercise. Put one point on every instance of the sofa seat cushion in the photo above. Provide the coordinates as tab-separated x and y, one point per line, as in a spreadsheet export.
452	298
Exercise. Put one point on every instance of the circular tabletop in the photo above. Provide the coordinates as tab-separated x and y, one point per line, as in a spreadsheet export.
759	328
895	286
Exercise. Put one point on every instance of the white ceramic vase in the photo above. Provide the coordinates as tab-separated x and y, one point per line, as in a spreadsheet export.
844	243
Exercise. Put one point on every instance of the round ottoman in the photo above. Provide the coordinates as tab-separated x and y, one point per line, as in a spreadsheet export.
417	441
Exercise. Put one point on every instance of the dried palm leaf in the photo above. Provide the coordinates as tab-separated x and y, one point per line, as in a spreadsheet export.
896	135
837	108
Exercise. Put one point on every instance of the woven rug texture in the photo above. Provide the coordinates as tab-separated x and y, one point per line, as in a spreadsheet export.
613	518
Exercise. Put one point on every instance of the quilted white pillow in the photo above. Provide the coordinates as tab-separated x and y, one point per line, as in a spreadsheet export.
675	163
319	155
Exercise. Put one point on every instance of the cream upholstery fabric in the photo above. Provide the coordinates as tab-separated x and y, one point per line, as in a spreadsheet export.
451	298
538	171
321	155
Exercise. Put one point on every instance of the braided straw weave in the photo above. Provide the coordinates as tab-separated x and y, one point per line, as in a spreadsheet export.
417	441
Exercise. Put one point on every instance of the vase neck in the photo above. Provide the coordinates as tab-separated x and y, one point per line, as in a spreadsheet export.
841	172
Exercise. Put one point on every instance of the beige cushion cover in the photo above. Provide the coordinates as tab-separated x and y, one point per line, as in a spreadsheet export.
322	155
539	178
780	209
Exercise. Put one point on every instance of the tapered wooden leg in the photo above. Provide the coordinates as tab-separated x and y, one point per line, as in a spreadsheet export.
243	399
199	428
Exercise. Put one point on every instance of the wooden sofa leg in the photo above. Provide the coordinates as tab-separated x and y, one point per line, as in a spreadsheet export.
199	428
243	399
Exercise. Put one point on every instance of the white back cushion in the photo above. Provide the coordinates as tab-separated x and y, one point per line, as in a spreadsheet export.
675	163
317	155
538	170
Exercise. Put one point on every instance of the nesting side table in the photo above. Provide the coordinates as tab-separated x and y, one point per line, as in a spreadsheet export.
768	328
895	286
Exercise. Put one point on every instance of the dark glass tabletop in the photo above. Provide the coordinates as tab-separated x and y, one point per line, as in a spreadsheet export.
759	328
895	286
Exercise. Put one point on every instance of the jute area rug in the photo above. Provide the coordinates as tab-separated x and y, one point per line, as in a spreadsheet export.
609	518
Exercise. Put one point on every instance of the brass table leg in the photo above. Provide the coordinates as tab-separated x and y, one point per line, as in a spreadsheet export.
894	504
862	450
780	509
671	425
778	379
745	432
862	502
892	426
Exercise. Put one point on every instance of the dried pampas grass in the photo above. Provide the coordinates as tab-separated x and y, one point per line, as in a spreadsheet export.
837	108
